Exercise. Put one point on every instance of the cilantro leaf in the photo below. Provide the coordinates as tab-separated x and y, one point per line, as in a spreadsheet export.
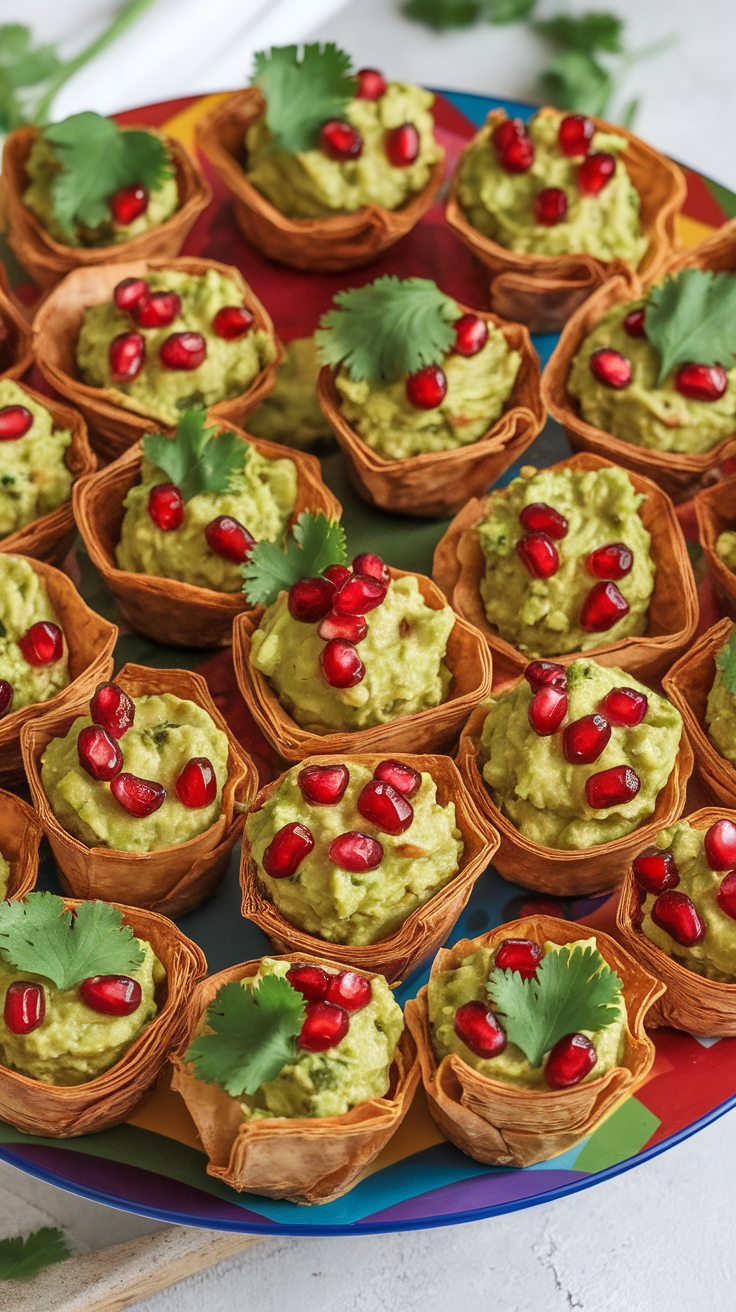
41	936
574	990
391	327
20	1259
315	543
301	94
20	67
589	32
194	459
726	662
444	14
576	81
255	1032
692	318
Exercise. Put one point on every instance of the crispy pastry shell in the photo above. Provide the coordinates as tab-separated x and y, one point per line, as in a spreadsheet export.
687	685
20	835
715	508
15	329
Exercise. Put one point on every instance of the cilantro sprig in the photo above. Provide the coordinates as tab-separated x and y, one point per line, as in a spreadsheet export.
194	458
301	93
390	327
726	662
39	935
20	1259
574	990
315	543
254	1033
692	318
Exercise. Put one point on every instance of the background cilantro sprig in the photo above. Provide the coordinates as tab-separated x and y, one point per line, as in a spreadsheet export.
302	92
194	458
39	935
390	327
254	1033
315	543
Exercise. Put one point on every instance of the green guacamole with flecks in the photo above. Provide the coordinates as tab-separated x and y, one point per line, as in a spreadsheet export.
714	957
4	875
726	549
24	602
720	718
291	413
34	478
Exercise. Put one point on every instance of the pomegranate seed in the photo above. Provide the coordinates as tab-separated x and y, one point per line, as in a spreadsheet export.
113	995
129	203
341	665
139	797
233	321
359	594
129	292
402	145
547	710
625	706
726	895
355	851
6	697
25	1007
610	367
352	628
514	145
519	954
471	334
634	322
228	538
612	787
541	518
540	555
550	207
585	739
43	644
677	915
183	351
701	382
324	785
572	1058
197	784
337	574
112	708
15	421
350	990
479	1029
540	674
325	1025
426	389
310	599
401	777
720	845
311	981
385	808
287	850
614	561
507	132
655	870
595	171
98	753
126	357
166	506
372	567
575	135
603	607
340	140
371	84
157	309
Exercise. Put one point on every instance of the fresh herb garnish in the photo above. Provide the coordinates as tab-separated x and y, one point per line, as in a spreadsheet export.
691	318
39	935
194	459
255	1033
726	662
393	326
302	93
315	543
444	14
573	990
20	1259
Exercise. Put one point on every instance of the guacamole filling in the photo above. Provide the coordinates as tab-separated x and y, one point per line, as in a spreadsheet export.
34	478
715	956
4	876
726	549
23	603
261	498
501	205
403	654
291	413
359	907
545	795
227	370
451	989
541	616
720	715
168	732
310	185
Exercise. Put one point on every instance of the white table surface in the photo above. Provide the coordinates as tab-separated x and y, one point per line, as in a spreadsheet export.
660	1236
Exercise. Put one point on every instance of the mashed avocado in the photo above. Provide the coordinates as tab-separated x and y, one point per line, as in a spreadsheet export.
291	413
168	731
363	908
720	718
262	498
311	185
715	956
657	418
478	387
726	549
229	367
540	616
403	654
543	794
42	167
501	204
450	989
4	875
23	602
34	478
330	1083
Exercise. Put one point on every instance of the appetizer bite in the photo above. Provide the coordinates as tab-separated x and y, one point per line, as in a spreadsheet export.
34	653
702	685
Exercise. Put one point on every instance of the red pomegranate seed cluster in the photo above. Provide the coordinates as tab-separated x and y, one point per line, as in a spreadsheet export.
338	602
514	145
158	309
331	1000
655	871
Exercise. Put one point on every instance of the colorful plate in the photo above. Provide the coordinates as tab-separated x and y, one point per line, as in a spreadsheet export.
153	1164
